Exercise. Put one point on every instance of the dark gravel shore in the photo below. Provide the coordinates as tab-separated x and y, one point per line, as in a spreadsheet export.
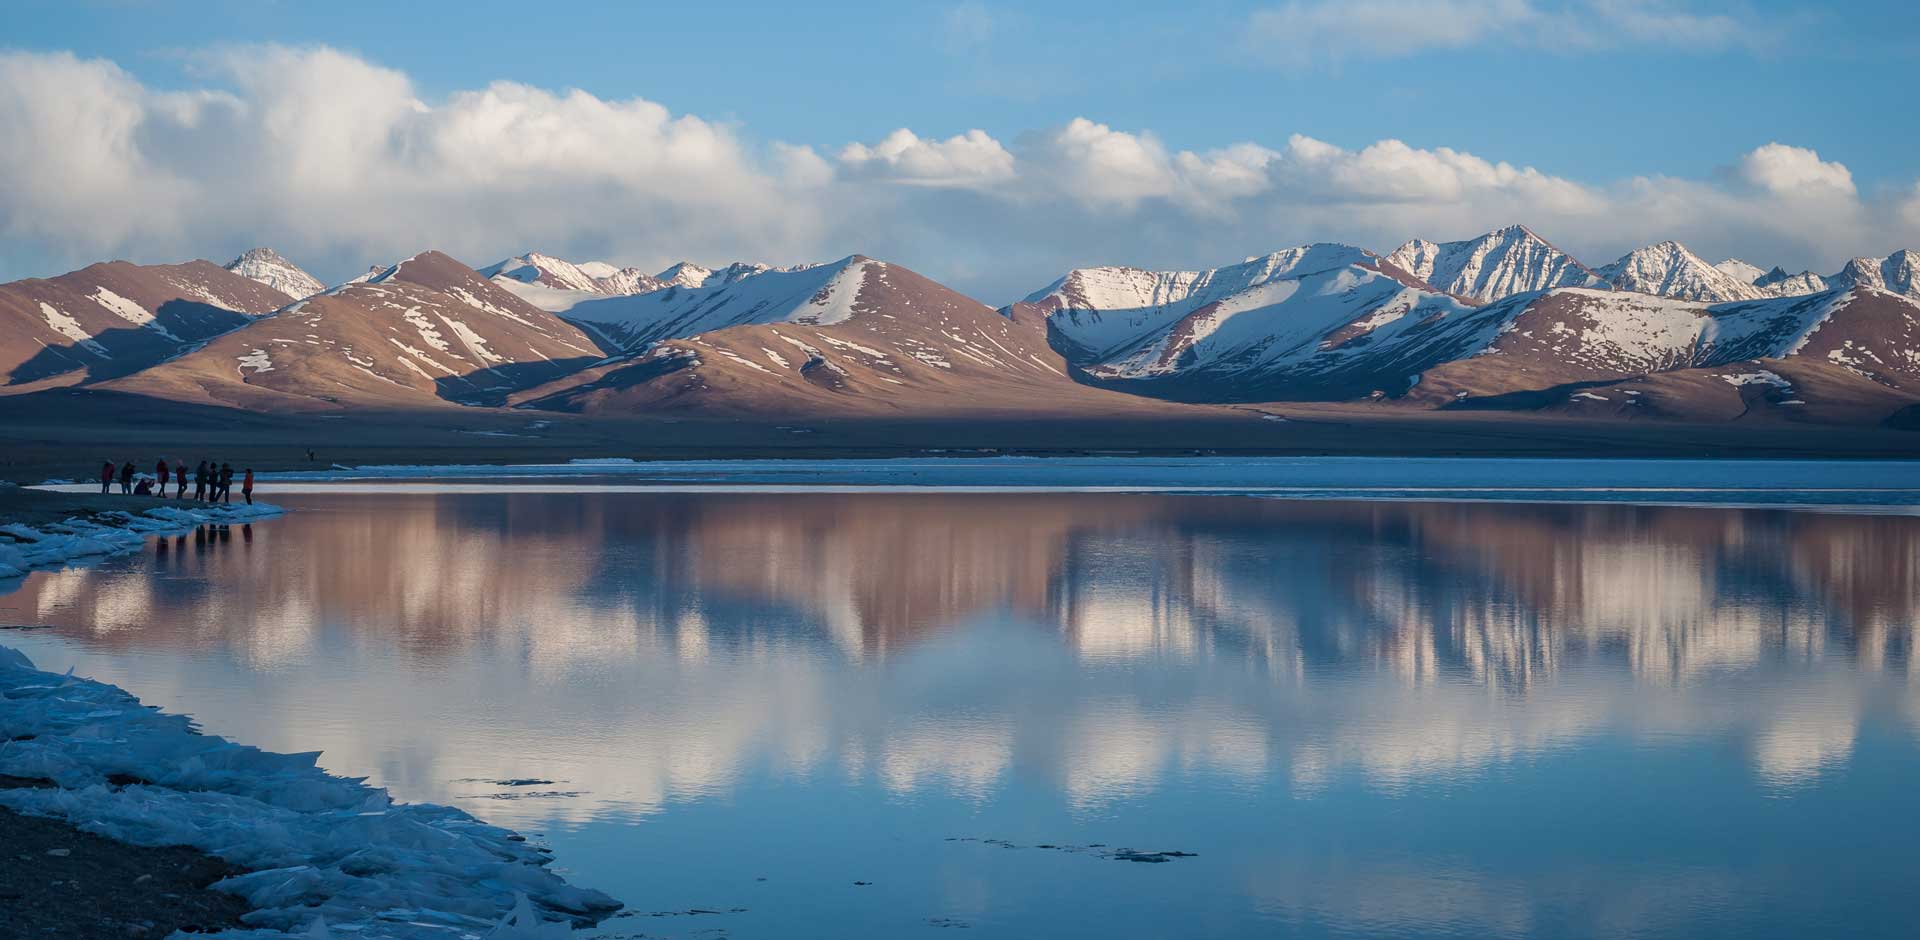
59	882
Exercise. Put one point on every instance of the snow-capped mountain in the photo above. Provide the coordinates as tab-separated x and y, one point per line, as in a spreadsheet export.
1587	349
1778	283
114	318
737	295
1498	264
1317	322
553	284
1741	271
1897	273
270	268
852	336
1668	269
425	331
686	274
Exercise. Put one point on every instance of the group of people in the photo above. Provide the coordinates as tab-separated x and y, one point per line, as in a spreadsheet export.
212	482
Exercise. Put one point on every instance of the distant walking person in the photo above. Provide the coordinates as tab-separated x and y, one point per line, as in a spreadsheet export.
126	479
160	473
106	478
200	481
246	489
226	483
180	480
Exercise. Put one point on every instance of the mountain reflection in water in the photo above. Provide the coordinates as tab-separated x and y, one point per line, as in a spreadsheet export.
1097	653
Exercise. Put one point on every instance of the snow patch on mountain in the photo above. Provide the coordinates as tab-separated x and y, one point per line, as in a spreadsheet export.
62	323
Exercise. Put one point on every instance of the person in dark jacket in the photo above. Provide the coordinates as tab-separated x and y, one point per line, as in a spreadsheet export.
126	479
143	488
160	474
200	481
106	478
226	483
180	479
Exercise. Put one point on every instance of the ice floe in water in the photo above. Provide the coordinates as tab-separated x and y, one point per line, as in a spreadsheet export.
25	547
318	847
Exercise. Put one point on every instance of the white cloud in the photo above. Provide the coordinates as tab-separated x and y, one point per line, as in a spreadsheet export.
1100	166
1300	33
966	159
1790	171
340	163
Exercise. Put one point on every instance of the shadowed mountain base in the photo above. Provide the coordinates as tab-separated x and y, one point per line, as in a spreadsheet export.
66	433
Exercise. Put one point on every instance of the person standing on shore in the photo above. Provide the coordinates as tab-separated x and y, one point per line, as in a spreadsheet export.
226	483
200	481
126	479
246	489
106	478
160	473
180	479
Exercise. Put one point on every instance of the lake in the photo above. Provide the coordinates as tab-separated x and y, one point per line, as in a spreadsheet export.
895	714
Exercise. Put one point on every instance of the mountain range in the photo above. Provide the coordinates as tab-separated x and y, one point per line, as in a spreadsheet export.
1504	321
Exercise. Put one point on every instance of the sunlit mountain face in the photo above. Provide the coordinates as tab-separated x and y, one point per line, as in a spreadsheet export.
1250	679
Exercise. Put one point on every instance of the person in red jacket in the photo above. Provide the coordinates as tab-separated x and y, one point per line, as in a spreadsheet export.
160	471
106	477
246	486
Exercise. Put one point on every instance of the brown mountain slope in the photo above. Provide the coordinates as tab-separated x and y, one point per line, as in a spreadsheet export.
856	337
1842	356
113	318
427	331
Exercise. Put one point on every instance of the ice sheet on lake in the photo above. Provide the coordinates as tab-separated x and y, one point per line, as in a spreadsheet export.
24	547
319	847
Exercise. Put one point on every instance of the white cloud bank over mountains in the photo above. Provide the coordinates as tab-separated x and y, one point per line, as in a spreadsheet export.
340	162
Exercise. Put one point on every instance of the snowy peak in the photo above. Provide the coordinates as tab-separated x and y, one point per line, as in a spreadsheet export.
1498	264
1668	269
1898	273
737	295
555	284
685	274
1741	271
1321	321
268	267
1778	283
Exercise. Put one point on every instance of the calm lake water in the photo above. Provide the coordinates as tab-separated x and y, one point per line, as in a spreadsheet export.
900	715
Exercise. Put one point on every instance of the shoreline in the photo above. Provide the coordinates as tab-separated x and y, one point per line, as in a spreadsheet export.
299	847
167	829
48	529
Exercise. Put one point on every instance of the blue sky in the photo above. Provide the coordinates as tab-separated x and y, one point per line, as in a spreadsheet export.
1600	93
